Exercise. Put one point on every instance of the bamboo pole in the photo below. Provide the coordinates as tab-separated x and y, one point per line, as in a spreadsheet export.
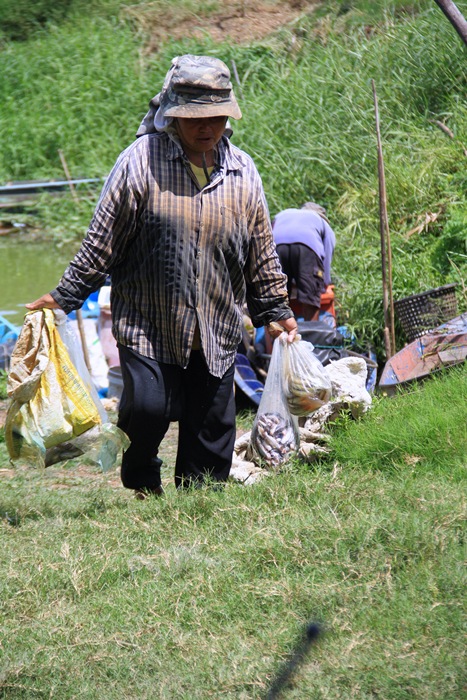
455	16
386	256
82	335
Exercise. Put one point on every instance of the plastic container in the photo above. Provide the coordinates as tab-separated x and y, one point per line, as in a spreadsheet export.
115	383
90	308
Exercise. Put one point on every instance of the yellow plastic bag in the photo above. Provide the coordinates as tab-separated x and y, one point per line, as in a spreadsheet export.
50	404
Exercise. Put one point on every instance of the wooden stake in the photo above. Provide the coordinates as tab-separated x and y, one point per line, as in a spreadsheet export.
455	16
386	257
68	176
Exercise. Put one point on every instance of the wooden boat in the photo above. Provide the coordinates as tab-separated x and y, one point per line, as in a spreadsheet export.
444	346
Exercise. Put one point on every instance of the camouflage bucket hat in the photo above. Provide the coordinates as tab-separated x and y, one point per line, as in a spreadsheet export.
198	86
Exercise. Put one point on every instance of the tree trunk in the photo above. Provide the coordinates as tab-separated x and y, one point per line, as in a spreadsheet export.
455	16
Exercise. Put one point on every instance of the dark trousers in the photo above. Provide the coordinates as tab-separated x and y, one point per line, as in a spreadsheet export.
154	394
304	267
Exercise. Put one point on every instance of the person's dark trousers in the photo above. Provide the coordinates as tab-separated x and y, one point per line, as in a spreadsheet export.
154	394
206	436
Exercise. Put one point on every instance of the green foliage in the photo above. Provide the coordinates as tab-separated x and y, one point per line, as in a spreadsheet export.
3	380
20	18
324	148
72	89
451	247
67	217
245	417
358	11
83	84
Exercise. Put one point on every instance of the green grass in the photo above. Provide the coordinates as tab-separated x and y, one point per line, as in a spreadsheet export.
423	428
207	594
3	380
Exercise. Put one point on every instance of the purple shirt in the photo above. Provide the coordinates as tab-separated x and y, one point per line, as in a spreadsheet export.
307	227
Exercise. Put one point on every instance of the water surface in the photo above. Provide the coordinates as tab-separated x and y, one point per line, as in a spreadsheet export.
28	270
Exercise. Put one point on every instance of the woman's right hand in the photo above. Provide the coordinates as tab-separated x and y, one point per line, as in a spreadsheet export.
45	302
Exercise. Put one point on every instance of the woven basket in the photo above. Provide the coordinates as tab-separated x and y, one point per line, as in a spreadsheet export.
420	313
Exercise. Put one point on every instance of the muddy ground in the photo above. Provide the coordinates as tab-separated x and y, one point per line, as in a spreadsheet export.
240	21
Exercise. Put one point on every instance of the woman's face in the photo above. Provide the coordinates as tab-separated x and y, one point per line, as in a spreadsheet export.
200	135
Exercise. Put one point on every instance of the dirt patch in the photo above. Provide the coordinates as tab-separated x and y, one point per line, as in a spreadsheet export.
240	22
60	476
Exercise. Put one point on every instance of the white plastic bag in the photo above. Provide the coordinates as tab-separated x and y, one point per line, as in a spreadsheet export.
307	385
97	361
274	435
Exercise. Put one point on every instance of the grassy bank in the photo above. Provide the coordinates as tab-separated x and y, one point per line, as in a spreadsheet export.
81	82
208	594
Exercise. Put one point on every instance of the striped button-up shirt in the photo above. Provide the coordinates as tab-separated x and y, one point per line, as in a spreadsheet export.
180	256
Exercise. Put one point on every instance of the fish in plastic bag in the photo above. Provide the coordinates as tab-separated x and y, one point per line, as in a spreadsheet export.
274	435
307	385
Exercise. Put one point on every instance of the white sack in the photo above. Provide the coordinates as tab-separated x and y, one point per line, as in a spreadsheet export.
348	379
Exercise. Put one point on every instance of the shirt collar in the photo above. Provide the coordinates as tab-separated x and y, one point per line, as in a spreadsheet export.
226	156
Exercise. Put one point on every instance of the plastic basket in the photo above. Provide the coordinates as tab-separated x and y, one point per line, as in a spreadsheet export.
420	313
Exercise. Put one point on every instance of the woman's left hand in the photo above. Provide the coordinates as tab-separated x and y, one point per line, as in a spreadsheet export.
289	325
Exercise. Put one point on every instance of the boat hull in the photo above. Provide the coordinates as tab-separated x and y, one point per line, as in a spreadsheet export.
442	347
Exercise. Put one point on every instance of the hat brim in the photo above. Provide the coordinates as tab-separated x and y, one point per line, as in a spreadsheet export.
191	110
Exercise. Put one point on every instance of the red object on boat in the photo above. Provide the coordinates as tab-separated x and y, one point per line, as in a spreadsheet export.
327	302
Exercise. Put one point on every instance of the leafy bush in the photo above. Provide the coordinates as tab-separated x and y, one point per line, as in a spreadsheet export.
20	18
